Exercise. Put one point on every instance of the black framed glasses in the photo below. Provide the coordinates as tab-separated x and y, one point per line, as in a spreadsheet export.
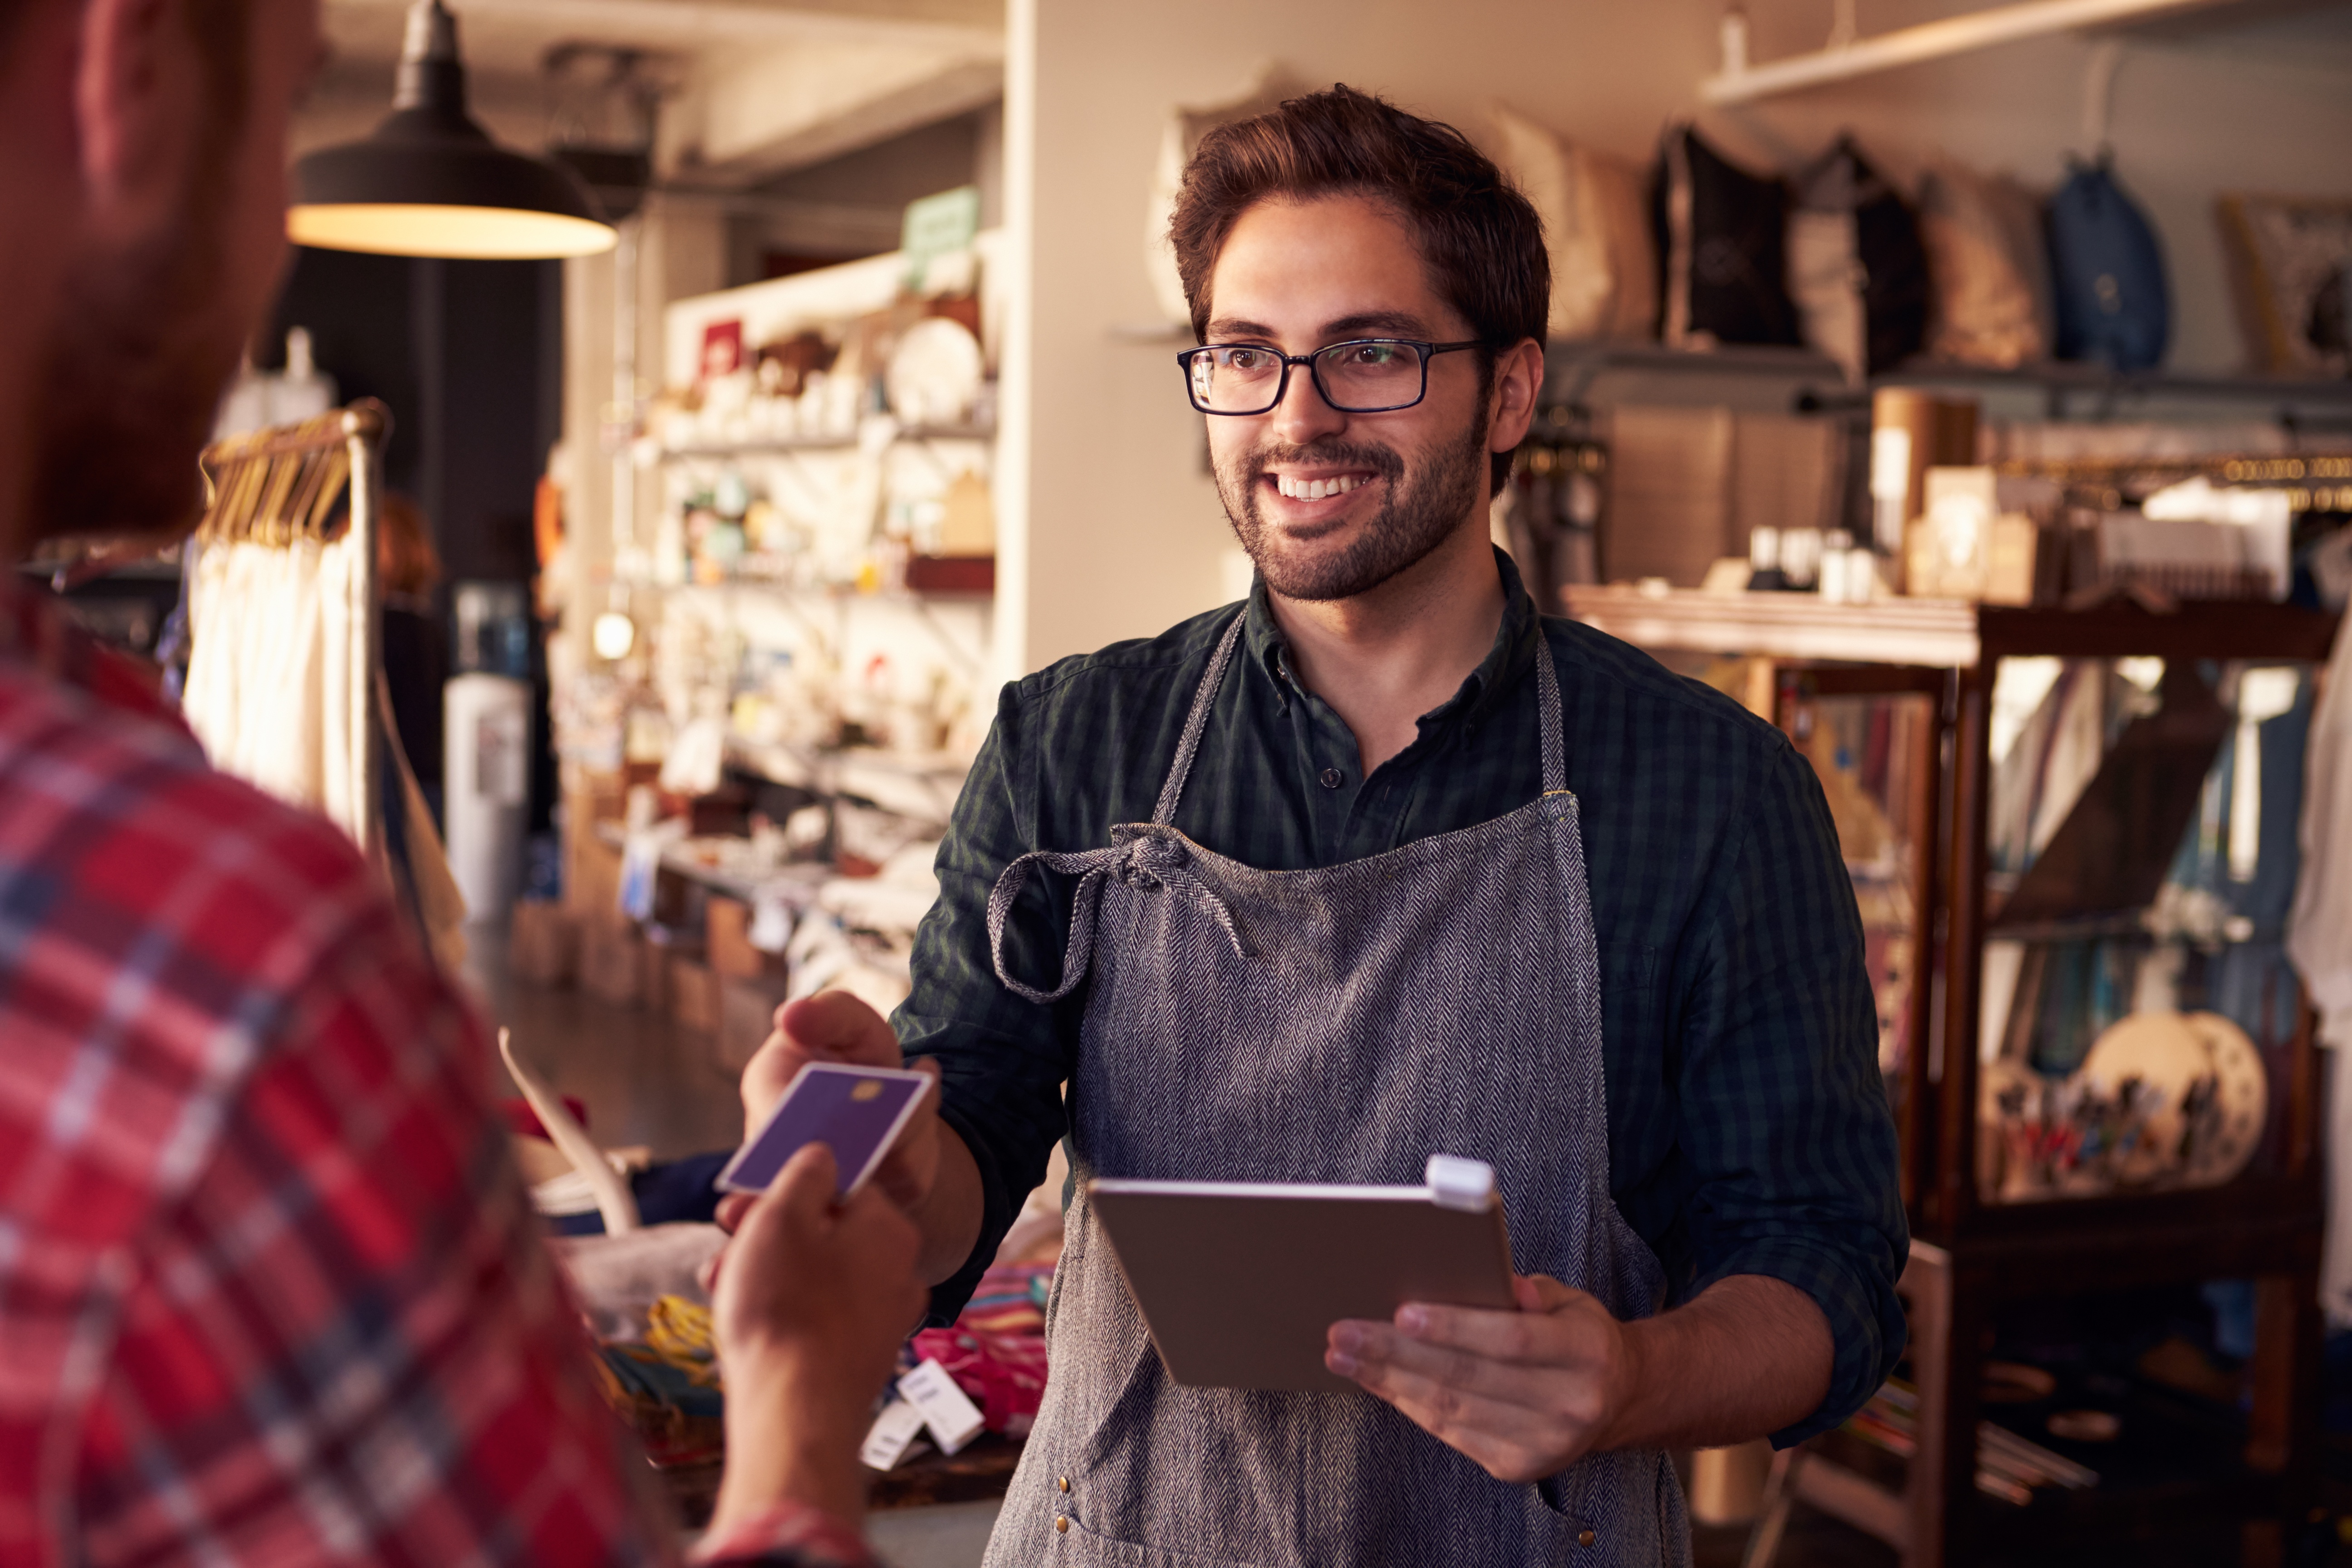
1362	375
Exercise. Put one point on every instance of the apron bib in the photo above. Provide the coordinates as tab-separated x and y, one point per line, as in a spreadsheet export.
1334	1025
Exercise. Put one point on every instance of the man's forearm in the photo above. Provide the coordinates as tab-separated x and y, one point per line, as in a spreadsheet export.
1750	1355
949	1215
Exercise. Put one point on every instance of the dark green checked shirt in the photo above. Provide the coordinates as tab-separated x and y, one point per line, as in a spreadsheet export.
1747	1130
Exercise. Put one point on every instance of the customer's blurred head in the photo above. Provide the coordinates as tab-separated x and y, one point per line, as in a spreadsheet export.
1337	218
142	146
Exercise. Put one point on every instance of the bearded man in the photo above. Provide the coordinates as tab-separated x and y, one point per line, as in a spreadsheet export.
1509	889
270	1289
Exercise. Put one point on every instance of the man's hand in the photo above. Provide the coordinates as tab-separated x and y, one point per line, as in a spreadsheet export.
811	1306
1524	1393
1527	1393
835	1026
928	1173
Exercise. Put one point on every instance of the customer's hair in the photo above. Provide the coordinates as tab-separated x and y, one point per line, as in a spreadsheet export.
1480	239
220	31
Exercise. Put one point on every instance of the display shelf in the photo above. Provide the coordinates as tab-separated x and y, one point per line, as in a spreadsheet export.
1574	365
783	445
1935	633
826	593
2069	377
922	786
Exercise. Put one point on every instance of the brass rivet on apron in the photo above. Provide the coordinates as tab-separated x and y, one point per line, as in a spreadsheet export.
1061	1524
1584	1538
1063	1482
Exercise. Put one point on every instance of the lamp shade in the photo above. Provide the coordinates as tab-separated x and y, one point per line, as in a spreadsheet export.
430	181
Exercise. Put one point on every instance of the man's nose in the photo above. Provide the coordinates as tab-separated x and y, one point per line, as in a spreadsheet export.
1303	415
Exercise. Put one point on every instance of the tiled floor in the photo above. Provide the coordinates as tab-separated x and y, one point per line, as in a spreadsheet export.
643	1077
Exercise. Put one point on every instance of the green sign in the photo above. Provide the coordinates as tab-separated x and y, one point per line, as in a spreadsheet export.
939	226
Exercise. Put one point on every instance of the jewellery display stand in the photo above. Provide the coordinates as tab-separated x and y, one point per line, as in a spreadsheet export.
1973	1255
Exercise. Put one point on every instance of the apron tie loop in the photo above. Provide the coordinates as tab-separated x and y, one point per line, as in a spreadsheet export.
1152	861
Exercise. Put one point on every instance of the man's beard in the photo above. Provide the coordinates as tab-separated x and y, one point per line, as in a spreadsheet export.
133	372
1414	517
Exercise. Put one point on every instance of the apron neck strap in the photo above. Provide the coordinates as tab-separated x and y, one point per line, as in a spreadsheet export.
1197	720
1555	742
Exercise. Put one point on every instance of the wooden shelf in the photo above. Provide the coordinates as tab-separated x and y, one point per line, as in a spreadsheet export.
1937	633
2063	377
781	445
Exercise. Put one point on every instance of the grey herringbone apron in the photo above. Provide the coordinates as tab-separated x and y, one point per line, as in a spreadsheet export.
1335	1025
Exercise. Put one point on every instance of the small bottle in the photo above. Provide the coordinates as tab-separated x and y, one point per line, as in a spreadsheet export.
1764	574
1800	556
1836	546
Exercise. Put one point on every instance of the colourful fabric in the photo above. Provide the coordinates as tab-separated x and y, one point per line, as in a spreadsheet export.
271	1290
996	1351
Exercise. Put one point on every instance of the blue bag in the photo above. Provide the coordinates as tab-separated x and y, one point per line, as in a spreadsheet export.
2107	272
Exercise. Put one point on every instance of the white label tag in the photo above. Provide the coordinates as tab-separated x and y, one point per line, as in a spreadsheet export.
887	1441
953	1419
1890	462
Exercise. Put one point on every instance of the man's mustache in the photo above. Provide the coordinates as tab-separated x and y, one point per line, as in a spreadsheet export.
1381	459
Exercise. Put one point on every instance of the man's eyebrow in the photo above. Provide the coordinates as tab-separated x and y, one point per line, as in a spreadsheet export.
1396	323
1400	322
1226	328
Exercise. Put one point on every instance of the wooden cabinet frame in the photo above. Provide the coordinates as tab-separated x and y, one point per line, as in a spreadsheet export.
1970	1259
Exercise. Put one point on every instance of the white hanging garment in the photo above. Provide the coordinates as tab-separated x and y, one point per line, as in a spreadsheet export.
2319	941
277	674
208	697
340	707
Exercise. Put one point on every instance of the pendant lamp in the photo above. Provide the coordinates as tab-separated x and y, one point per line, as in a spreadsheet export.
430	181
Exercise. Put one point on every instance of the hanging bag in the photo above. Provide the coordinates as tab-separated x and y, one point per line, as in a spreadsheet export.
2109	274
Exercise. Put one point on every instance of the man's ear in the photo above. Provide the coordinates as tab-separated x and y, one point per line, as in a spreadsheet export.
1519	384
137	99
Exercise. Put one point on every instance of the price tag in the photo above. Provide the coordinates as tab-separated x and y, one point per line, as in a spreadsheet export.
953	1419
891	1435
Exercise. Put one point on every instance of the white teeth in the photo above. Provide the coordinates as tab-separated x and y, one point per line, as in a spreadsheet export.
1315	489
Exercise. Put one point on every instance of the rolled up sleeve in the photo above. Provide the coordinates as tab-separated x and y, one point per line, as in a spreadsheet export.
1784	1112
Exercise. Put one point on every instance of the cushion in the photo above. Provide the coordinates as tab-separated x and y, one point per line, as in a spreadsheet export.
1723	238
1989	274
1603	261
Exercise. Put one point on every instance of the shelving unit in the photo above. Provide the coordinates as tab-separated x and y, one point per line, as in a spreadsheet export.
1573	368
776	445
1971	1257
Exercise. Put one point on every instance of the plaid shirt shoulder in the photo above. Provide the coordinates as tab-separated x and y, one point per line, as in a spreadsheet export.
270	1290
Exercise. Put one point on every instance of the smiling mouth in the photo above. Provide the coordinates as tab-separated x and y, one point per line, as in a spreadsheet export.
1323	488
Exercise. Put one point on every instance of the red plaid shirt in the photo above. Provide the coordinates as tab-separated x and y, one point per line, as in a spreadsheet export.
270	1290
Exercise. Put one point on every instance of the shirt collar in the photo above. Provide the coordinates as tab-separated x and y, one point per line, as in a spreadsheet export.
1511	656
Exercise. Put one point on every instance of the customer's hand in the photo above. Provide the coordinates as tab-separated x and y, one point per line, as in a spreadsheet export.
835	1026
811	1306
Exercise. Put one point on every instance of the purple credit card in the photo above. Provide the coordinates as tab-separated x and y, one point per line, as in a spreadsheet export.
856	1112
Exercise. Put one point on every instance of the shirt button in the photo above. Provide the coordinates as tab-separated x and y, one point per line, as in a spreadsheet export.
1062	1524
1063	1482
1333	778
1584	1538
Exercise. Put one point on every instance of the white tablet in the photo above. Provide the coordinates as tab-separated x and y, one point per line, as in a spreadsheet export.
1239	1282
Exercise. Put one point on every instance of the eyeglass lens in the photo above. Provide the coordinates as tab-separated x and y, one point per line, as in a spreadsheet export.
1355	377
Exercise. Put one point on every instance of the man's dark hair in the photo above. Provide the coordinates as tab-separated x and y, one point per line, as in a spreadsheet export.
1480	239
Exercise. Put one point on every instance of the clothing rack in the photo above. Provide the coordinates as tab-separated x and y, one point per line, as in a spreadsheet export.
281	485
